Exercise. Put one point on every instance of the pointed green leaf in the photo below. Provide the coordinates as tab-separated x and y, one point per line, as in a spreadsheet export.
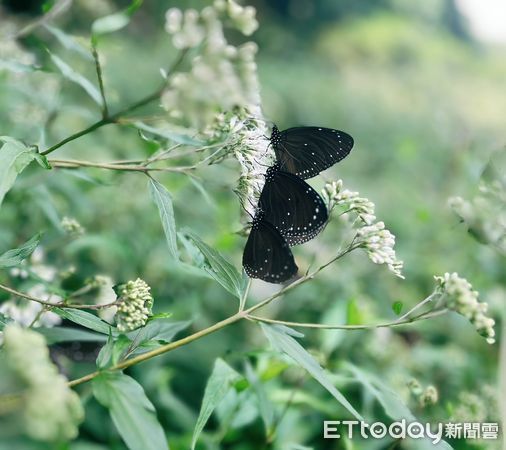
42	161
16	256
14	157
281	338
84	319
70	42
104	358
219	268
264	404
55	335
131	411
159	330
218	384
163	200
69	73
114	22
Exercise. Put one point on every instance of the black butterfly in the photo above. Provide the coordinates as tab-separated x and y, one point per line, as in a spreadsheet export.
292	206
306	151
267	255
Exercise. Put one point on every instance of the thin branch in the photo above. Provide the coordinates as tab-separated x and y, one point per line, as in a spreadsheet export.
114	117
422	316
163	349
417	306
59	304
72	164
244	296
105	109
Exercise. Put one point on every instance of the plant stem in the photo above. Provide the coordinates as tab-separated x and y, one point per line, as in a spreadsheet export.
422	316
112	166
115	117
244	296
163	349
77	135
105	109
56	305
417	306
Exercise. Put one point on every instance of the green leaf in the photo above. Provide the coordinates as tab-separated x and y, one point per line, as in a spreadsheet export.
104	357
158	329
219	268
163	201
397	307
69	73
14	157
42	161
84	319
114	22
109	24
178	138
197	258
281	338
70	42
120	348
131	411
16	256
55	335
264	405
218	384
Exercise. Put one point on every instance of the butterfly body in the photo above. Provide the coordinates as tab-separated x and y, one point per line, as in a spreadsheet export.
267	255
292	206
307	151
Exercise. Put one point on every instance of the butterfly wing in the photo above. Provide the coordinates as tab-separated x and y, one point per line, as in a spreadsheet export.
306	151
292	206
267	255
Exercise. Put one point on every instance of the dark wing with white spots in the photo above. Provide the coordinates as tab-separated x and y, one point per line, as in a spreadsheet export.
292	206
267	255
307	151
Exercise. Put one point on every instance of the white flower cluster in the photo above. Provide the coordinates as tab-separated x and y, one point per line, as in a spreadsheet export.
379	244
241	18
334	195
135	307
51	410
372	236
222	76
71	226
459	296
244	137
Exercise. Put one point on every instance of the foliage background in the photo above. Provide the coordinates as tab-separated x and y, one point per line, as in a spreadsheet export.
425	103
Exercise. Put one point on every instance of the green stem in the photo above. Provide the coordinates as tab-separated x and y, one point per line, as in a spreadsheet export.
55	305
422	316
105	109
77	135
71	164
115	117
163	349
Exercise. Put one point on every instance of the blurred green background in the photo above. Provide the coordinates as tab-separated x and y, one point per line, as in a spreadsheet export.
424	100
